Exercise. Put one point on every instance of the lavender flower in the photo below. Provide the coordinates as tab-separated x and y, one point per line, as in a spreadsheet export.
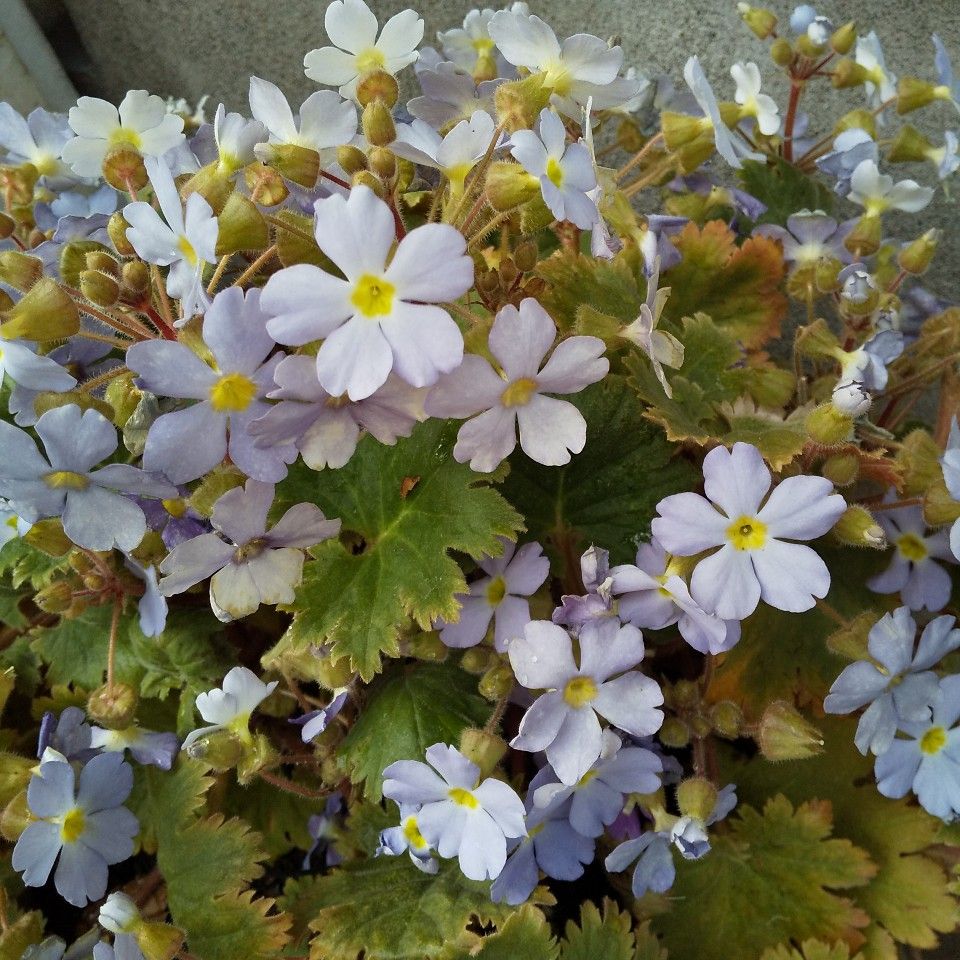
407	838
809	236
850	149
145	746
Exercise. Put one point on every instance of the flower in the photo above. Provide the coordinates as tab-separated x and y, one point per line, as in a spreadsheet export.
381	318
174	519
229	706
236	138
248	564
145	746
84	824
31	370
38	140
752	102
449	95
326	429
948	86
927	760
882	84
574	611
69	734
876	192
867	365
152	605
119	914
565	171
64	484
550	429
140	123
183	239
945	158
923	584
322	828
950	464
352	26
652	595
460	816
902	687
809	236
500	596
312	724
230	392
472	48
754	561
563	720
850	149
407	838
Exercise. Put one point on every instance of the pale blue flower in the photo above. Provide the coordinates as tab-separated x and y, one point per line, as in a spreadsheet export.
850	149
950	464
574	611
316	721
407	838
949	84
145	746
808	236
69	734
322	828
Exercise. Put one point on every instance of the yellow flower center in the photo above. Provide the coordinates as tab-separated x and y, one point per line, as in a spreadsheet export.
369	60
232	393
412	832
586	778
12	522
483	45
72	826
747	533
189	254
519	393
66	480
496	591
555	172
176	507
912	547
125	137
464	798
934	740
556	77
45	164
240	726
580	691
373	296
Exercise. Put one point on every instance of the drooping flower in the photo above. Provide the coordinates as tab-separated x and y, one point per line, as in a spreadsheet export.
927	760
230	392
563	720
381	317
65	484
752	102
312	724
141	123
183	239
898	684
881	85
449	95
550	429
867	365
249	565
37	140
876	192
229	706
146	746
407	838
68	734
564	170
923	584
85	825
459	815
500	596
322	828
358	50
152	606
755	560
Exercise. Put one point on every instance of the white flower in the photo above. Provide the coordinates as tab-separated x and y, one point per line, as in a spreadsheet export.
140	123
236	137
352	26
565	172
183	241
37	140
229	707
753	102
876	191
882	84
471	47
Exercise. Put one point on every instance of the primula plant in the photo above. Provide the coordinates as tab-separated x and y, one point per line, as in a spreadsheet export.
520	521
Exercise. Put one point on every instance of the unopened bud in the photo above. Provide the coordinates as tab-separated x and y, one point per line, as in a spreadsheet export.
378	125
477	660
781	53
784	734
46	312
117	231
726	718
19	270
842	469
123	169
135	280
508	272
685	693
674	733
864	239
241	226
519	102
378	85
56	597
847	73
762	22
428	646
827	426
696	798
99	288
858	528
485	749
351	158
526	256
850	399
508	186
113	705
301	165
913	93
497	682
844	38
369	179
915	257
860	293
103	261
383	162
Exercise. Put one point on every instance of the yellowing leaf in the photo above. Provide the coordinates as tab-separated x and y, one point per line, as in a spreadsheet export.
811	950
609	936
524	936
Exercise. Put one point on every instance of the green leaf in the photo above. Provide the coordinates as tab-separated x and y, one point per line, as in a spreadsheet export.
609	936
26	564
811	950
410	708
75	649
780	439
358	599
389	910
784	189
525	936
10	615
607	494
279	817
781	862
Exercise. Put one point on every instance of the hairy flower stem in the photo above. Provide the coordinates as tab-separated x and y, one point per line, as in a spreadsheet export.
165	307
218	273
254	267
638	156
114	630
289	786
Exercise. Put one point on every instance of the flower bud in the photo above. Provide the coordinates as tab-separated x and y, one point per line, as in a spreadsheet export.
371	180
135	283
781	53
45	313
428	646
119	914
477	660
762	22
812	45
50	400
828	426
909	146
915	257
497	682
844	38
378	85
685	693
674	733
266	186
519	102
123	397
864	239
117	231
241	226
860	294
485	749
726	718
848	73
784	734
525	256
99	287
56	597
508	185
19	270
696	798
913	93
123	169
857	528
851	399
113	707
383	162
7	226
700	727
841	469
378	125
301	165
351	158
682	129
